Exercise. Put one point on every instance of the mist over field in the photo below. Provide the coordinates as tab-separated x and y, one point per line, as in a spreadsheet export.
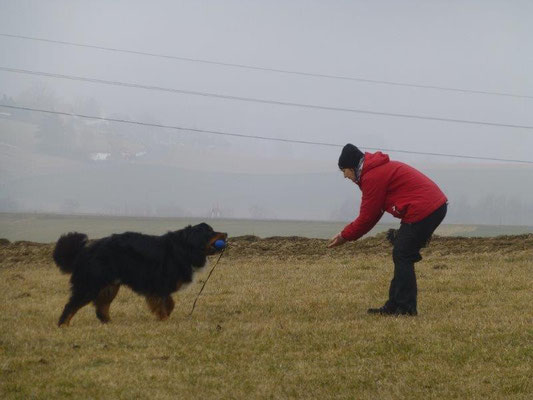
66	174
72	165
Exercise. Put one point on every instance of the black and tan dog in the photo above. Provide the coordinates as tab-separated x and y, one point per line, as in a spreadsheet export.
152	266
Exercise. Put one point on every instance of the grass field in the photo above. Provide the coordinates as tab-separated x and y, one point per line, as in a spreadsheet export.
282	318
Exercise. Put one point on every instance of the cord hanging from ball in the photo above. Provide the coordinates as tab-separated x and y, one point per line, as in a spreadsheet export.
201	290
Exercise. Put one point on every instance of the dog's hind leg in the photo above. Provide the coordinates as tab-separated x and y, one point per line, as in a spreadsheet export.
158	305
76	302
103	302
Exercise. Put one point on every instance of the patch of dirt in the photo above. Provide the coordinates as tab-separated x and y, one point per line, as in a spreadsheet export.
23	252
305	247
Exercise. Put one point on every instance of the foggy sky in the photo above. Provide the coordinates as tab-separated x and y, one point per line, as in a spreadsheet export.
478	45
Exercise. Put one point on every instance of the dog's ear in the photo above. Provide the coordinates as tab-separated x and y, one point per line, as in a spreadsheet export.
197	236
204	226
196	240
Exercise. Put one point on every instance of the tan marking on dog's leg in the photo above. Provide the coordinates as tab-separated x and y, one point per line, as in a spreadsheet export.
103	302
169	305
157	306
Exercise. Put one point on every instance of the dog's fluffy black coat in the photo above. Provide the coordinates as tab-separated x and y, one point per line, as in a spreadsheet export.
153	266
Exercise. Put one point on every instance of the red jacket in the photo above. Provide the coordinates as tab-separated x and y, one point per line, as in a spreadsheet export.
394	187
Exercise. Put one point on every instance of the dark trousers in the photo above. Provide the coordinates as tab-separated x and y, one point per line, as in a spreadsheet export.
406	252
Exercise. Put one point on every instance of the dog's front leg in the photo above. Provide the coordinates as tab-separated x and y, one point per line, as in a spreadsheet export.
160	306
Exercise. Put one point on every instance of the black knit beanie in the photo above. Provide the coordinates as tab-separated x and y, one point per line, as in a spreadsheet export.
350	157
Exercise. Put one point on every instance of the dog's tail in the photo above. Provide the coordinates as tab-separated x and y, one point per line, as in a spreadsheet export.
67	249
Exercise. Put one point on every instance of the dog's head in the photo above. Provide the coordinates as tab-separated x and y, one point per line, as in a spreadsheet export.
201	240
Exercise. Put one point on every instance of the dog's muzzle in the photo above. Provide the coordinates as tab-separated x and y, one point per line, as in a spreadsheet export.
211	248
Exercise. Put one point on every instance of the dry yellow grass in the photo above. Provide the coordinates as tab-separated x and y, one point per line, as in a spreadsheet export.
282	318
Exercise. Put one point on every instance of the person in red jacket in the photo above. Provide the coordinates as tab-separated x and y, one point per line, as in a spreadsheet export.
406	193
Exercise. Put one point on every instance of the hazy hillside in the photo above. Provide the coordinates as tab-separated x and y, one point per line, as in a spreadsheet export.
171	179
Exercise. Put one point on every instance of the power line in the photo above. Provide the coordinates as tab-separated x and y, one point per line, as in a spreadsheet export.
257	100
266	138
277	70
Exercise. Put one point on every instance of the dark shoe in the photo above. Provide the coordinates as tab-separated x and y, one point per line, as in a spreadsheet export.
379	311
387	310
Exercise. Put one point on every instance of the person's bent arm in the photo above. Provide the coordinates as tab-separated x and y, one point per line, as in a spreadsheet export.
370	213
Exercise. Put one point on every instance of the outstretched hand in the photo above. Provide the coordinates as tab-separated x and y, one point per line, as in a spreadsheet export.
336	240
